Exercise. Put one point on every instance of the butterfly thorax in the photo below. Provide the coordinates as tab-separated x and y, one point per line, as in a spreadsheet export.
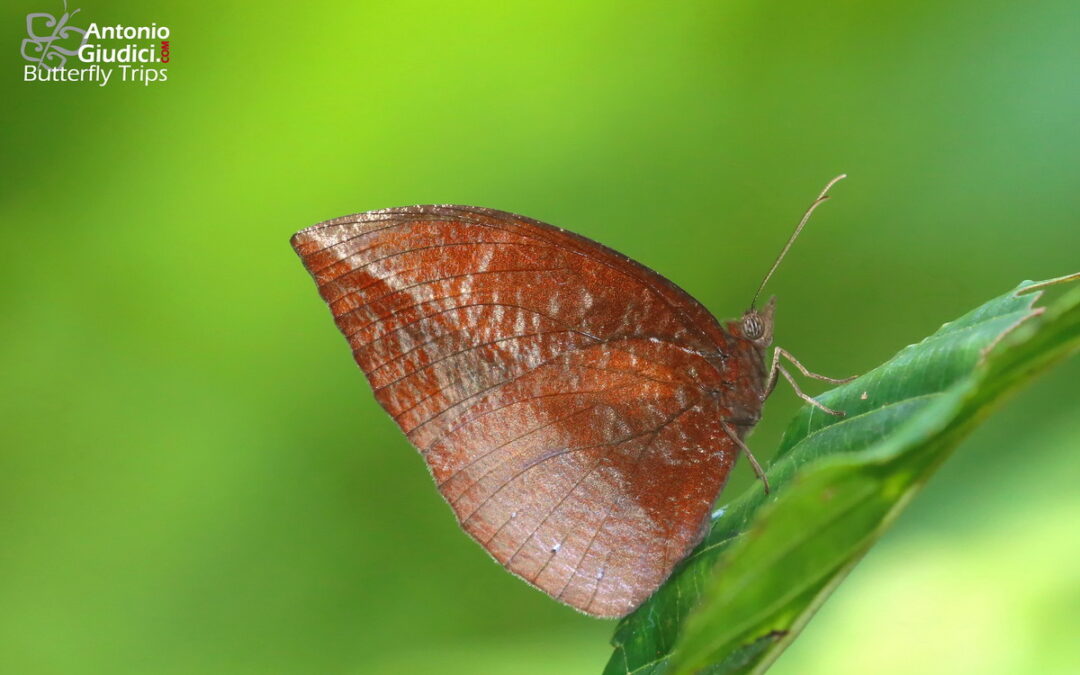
750	338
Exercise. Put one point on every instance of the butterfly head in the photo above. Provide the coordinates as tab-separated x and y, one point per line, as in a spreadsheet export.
756	325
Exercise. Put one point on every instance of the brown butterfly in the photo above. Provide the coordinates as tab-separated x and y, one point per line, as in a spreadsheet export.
579	412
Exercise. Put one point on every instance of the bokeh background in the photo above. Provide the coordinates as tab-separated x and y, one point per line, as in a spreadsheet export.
194	477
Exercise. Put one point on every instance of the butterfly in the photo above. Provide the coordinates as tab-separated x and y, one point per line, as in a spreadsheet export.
51	40
579	412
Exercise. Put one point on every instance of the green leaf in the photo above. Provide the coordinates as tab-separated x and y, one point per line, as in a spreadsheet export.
768	563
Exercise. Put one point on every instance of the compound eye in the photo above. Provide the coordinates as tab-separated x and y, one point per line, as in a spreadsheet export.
752	327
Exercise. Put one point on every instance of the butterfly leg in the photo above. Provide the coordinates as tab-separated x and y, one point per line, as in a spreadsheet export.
776	369
779	351
749	455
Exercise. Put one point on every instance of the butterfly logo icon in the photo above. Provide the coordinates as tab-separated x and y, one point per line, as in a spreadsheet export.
51	41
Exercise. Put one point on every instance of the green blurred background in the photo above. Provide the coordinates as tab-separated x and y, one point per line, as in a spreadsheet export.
194	477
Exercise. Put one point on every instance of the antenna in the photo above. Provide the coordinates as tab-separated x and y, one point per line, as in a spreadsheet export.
821	199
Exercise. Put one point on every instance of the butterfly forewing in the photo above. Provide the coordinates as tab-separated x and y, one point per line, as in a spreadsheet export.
567	400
